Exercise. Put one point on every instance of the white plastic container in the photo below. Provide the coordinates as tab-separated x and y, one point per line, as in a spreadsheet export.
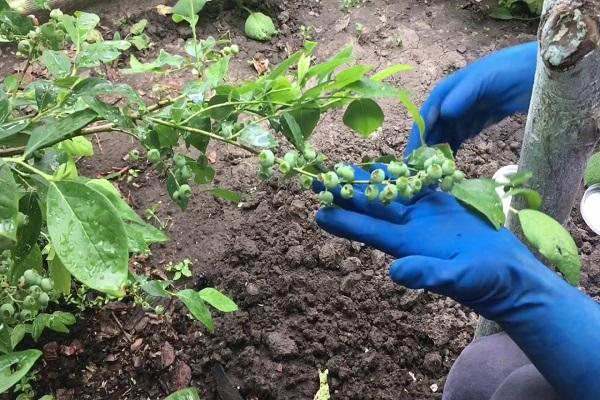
590	207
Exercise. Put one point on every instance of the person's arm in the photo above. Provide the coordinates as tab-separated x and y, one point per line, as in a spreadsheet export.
477	96
444	248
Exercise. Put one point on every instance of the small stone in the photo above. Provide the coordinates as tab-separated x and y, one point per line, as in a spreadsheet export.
252	289
462	49
350	264
349	282
432	361
281	345
378	258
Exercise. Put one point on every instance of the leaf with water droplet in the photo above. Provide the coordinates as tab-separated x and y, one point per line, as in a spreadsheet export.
88	235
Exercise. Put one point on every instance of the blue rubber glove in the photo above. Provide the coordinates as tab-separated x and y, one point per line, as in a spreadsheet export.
445	248
478	96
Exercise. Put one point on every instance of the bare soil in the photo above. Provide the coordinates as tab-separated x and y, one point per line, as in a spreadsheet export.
308	301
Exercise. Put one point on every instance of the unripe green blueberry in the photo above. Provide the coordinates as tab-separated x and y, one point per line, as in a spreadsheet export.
439	159
347	191
7	311
180	161
285	167
176	195
34	290
185	172
291	157
31	277
43	299
401	170
265	173
406	193
266	158
331	180
377	176
309	153
402	183
25	315
388	194
326	198
428	163
371	192
227	50
159	309
458	176
56	14
185	191
153	156
448	167
320	159
29	302
235	49
447	183
434	172
346	172
47	285
24	47
305	182
415	185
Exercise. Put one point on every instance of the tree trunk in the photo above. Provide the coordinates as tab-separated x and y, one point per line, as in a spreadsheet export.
563	125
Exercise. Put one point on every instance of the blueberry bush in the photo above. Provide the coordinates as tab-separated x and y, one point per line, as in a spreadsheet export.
60	230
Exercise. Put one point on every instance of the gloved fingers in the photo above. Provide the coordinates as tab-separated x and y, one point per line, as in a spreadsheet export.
438	275
386	236
462	98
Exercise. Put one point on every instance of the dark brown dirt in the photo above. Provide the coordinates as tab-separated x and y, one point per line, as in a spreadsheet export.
308	301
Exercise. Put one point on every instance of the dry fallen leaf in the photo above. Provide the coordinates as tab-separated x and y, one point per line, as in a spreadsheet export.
164	10
260	64
167	354
212	156
137	344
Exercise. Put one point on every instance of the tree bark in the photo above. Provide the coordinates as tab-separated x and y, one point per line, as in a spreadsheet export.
563	126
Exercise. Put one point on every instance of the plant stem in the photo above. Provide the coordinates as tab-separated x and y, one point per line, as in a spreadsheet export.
21	162
22	75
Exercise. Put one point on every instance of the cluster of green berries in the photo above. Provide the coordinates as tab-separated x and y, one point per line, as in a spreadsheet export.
231	50
402	181
183	173
289	164
31	295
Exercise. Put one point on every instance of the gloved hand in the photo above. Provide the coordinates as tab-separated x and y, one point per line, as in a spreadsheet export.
478	96
447	249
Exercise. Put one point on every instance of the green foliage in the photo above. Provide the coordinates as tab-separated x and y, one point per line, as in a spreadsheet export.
592	171
259	27
323	393
553	241
184	394
515	9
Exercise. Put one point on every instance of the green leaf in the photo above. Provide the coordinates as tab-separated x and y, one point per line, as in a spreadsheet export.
533	198
307	118
258	136
60	275
187	10
45	94
11	82
77	147
260	27
285	65
5	343
28	232
234	197
57	62
184	394
14	366
58	130
11	128
218	300
221	110
197	307
390	71
501	13
38	326
97	54
88	236
18	333
58	322
156	288
592	170
139	27
79	26
364	116
324	69
52	37
5	108
480	194
141	42
552	241
349	76
203	173
9	203
164	59
291	130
